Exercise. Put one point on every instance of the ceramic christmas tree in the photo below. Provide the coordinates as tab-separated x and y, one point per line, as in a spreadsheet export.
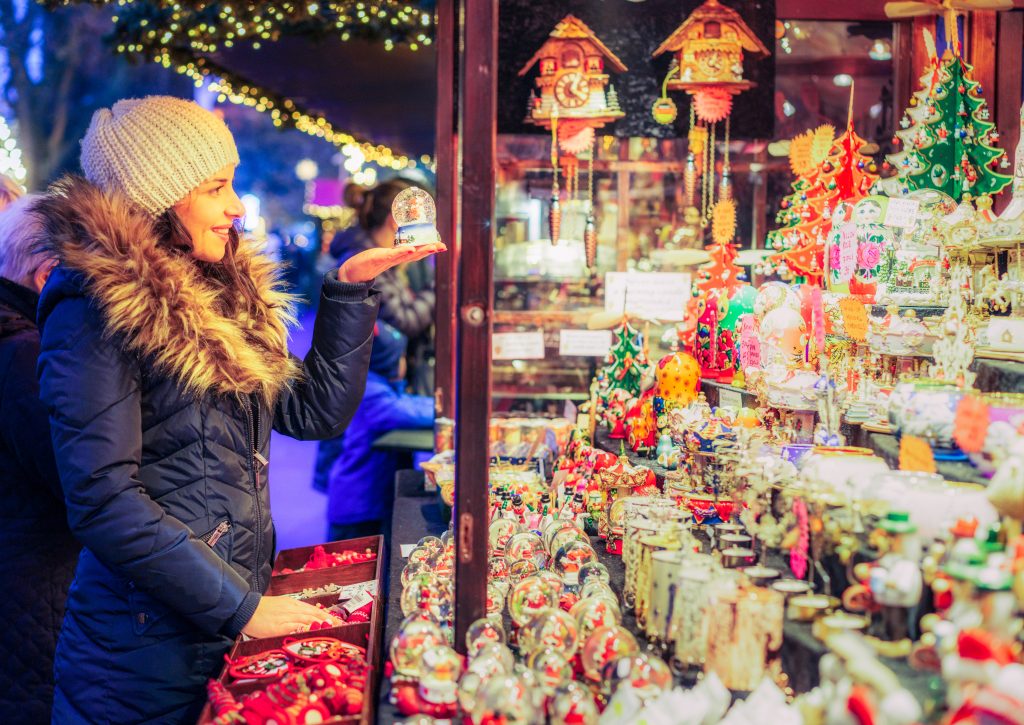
845	175
949	139
626	361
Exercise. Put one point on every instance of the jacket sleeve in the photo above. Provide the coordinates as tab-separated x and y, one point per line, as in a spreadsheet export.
92	392
394	410
411	313
26	427
322	403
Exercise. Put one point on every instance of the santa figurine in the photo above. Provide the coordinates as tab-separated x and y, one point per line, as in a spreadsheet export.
896	581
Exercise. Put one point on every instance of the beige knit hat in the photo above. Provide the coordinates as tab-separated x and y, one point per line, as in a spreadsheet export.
155	150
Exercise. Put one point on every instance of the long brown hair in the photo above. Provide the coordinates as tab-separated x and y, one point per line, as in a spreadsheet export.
243	298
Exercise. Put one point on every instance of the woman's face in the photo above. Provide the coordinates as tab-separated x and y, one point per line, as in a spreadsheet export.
209	212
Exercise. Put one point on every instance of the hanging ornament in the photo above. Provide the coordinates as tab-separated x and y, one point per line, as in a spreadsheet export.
712	104
690	178
665	111
697	137
723	221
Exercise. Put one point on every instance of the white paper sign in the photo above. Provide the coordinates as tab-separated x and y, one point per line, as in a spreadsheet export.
518	345
407	549
651	295
901	213
729	399
584	343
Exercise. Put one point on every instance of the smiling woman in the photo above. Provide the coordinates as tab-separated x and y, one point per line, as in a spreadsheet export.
163	365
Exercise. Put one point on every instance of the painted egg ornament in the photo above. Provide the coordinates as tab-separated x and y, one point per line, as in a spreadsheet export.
678	379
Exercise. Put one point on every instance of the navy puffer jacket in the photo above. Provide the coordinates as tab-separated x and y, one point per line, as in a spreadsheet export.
162	390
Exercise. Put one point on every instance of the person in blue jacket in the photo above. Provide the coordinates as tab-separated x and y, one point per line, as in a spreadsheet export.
163	366
361	480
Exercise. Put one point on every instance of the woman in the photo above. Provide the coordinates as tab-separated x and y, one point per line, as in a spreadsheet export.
37	551
164	366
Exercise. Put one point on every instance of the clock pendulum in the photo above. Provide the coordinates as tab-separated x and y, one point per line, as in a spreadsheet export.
590	228
555	213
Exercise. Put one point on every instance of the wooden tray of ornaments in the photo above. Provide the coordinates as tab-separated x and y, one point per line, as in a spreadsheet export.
358	634
346	574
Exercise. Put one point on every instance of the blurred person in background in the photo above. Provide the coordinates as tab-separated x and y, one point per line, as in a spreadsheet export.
10	191
406	294
361	479
37	550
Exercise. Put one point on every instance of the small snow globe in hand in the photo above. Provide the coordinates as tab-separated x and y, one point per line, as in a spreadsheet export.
416	217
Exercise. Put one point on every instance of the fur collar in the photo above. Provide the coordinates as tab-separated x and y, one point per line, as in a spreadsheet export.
162	305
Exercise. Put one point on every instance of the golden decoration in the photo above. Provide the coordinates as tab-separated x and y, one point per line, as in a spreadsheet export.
723	221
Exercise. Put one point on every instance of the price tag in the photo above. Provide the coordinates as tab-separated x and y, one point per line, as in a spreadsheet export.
901	213
357	602
370	587
818	318
750	345
847	252
518	345
855	318
916	455
730	399
407	549
584	343
649	295
970	428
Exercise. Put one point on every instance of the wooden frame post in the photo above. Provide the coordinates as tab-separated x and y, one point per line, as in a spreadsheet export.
446	150
478	96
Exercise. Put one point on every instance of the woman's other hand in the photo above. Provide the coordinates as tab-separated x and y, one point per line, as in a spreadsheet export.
366	265
276	616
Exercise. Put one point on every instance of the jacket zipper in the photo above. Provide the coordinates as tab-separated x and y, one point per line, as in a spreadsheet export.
213	537
253	429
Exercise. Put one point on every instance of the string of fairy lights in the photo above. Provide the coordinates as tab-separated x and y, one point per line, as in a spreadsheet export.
181	36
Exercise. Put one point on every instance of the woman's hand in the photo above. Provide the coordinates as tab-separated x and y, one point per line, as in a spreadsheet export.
276	616
369	263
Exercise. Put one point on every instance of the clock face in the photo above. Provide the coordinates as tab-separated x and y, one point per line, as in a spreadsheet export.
572	90
712	63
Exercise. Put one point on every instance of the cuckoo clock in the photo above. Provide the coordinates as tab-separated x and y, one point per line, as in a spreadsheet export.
573	97
707	63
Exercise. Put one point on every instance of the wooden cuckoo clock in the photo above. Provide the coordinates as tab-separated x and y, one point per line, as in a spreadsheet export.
573	97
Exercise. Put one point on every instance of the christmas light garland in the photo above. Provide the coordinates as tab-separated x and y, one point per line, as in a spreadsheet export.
180	35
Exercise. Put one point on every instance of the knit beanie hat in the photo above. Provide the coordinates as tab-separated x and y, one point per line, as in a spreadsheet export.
155	150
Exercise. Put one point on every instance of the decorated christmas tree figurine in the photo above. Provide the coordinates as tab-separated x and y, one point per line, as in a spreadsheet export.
803	206
845	175
626	360
949	138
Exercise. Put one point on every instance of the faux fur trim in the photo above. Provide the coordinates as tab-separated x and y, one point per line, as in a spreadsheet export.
160	302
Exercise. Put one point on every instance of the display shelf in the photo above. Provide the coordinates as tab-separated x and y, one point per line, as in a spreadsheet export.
888	447
418	513
1003	376
713	392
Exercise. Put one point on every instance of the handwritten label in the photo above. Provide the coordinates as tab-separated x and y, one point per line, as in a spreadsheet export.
916	455
818	318
649	295
901	213
970	428
750	345
518	345
847	252
584	343
855	318
729	399
407	549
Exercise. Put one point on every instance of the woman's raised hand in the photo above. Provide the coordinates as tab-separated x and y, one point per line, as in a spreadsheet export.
369	263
